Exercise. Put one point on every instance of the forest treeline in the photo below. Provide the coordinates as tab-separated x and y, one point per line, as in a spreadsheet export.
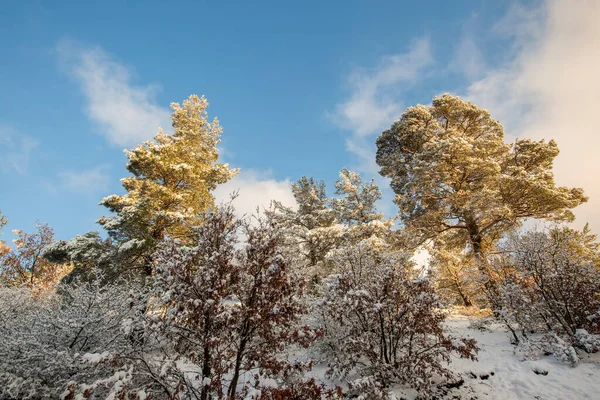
185	299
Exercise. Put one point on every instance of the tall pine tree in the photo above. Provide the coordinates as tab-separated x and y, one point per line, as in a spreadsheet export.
171	183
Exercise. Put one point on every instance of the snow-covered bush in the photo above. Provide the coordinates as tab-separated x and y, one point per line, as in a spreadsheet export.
549	282
230	309
584	340
51	342
24	265
305	390
383	325
562	350
215	322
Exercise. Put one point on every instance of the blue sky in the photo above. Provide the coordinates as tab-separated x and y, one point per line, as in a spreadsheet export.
300	89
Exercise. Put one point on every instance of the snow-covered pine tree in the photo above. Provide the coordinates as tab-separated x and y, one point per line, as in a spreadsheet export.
453	174
89	253
355	208
171	183
357	202
321	224
311	230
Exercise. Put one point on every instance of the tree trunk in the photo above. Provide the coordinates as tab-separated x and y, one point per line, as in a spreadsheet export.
490	285
482	263
236	372
384	349
459	288
207	357
466	301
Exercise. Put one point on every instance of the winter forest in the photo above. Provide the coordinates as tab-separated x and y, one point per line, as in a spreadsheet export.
472	280
186	299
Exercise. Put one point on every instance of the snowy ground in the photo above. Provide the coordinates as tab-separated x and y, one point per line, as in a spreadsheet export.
515	378
502	373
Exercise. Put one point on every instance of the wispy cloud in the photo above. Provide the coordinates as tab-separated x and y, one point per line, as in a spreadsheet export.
550	89
92	181
15	150
469	59
374	100
126	113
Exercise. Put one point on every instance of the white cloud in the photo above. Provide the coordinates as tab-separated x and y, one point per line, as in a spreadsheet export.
15	151
551	89
256	189
96	180
127	114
